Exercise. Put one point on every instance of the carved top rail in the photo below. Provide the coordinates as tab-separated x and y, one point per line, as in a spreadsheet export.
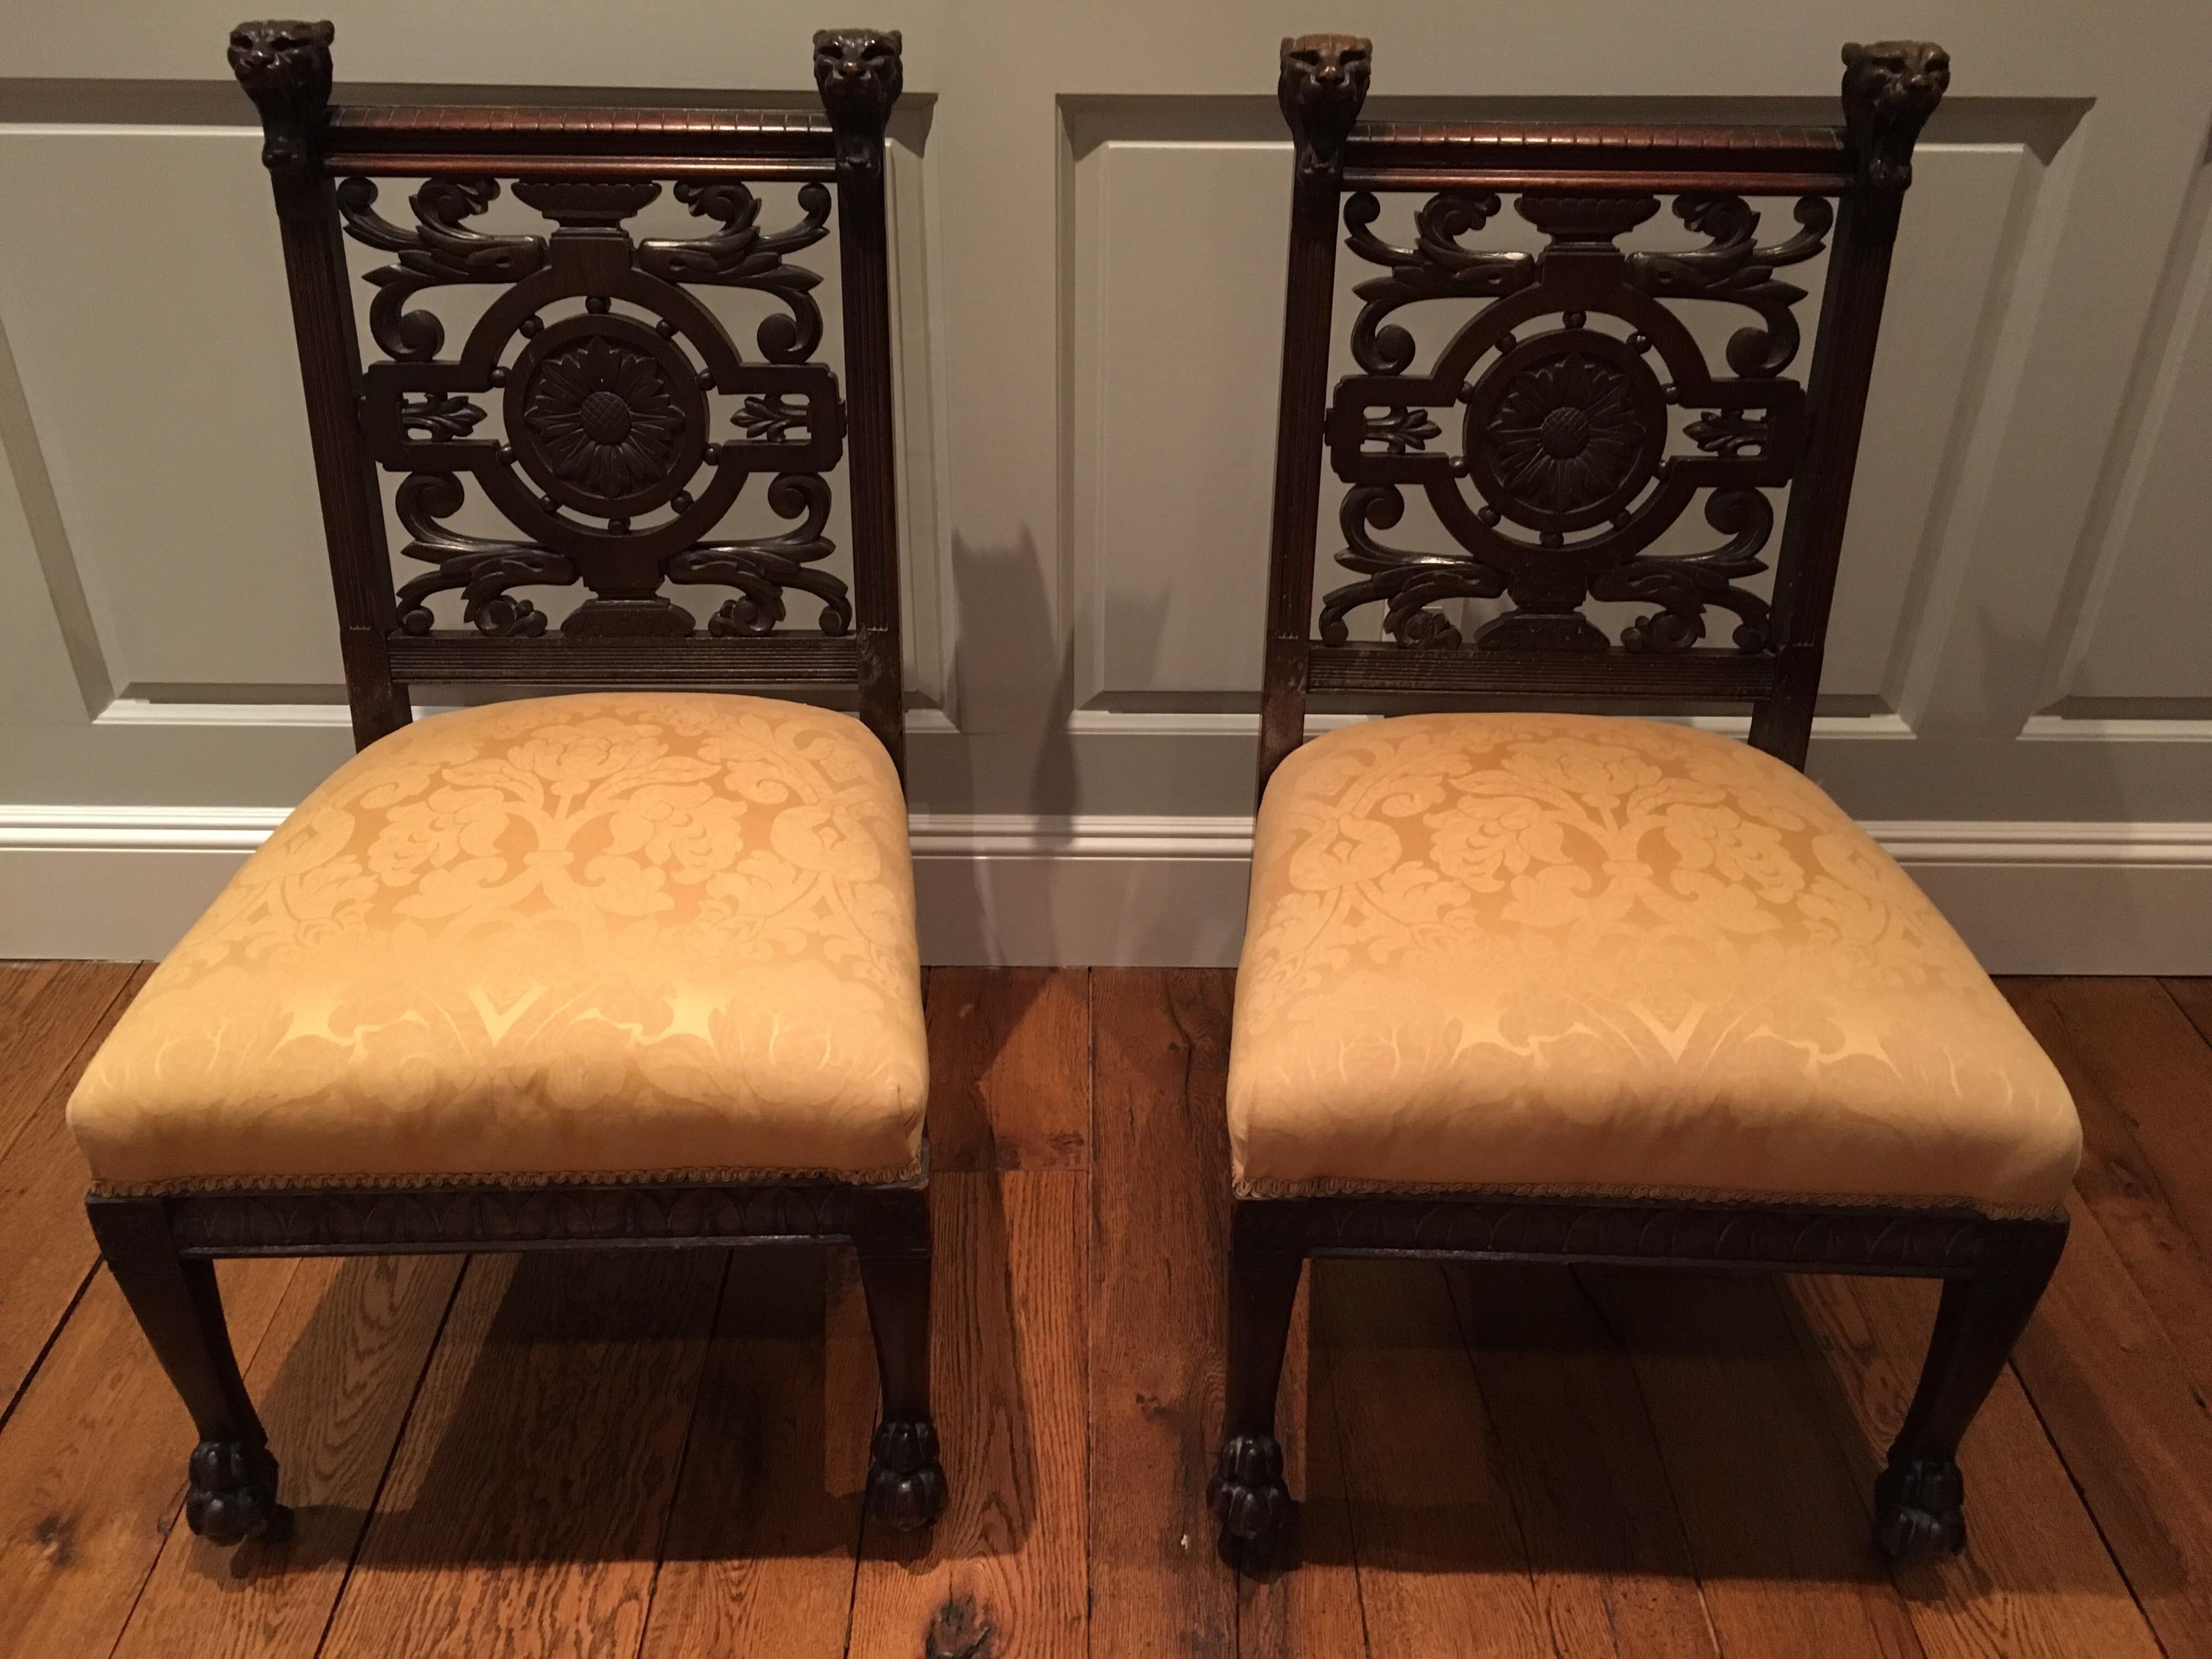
395	139
1558	426
595	400
1397	154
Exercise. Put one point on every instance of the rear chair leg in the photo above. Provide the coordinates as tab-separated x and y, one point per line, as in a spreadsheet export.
1247	1494
1919	1498
906	1482
232	1490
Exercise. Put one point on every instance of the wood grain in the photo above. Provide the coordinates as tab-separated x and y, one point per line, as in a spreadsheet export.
92	1468
1159	1231
2146	1073
2120	1406
46	1011
1441	1565
528	1498
46	1251
1009	1068
19	982
1611	1567
334	1379
761	1547
2036	1582
1003	1570
1007	1554
2126	1053
1777	1529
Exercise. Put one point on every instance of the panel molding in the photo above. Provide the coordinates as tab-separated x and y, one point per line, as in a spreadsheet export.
1147	889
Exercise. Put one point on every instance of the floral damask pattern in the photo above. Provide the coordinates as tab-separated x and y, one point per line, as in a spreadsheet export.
1585	953
601	934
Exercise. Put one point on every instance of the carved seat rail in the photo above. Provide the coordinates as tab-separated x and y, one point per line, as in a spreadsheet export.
369	1221
1561	432
597	401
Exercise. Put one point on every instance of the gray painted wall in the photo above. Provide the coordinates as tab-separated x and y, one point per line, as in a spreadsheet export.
1090	204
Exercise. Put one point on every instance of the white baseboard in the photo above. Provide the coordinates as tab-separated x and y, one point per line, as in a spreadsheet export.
124	883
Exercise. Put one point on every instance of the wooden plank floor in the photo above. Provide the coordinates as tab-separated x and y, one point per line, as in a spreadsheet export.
638	1454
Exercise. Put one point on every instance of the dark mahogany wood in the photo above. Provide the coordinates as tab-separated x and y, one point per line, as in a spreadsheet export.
622	497
588	170
1566	446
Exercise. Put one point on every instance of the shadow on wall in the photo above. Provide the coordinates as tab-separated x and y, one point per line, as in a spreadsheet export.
1029	891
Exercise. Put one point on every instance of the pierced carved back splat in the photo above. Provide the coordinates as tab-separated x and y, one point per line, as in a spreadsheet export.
1573	419
630	420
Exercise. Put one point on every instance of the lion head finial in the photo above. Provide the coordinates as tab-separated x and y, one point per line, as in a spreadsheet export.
285	68
1890	89
859	74
1323	83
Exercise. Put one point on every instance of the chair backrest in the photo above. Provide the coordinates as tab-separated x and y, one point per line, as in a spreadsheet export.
1592	415
628	419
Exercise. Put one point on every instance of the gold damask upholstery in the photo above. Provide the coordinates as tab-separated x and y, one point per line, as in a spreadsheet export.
1570	953
620	935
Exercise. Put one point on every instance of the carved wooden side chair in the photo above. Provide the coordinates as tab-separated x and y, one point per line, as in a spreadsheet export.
627	966
1578	987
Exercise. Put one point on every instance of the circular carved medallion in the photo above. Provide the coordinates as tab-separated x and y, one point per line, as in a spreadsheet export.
1564	430
606	415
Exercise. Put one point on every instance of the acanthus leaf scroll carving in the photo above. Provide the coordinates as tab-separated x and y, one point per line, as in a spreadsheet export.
740	255
1591	421
1731	266
612	459
763	568
438	251
1437	266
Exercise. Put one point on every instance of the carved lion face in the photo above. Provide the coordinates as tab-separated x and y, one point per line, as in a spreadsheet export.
859	58
267	54
1328	66
1901	74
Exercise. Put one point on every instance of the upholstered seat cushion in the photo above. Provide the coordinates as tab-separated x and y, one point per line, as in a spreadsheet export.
620	935
1574	953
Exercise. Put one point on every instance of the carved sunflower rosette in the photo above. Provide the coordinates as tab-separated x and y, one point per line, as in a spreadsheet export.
1588	420
630	420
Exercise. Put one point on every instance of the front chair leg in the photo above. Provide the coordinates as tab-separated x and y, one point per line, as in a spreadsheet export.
1919	1498
1247	1494
906	1482
233	1490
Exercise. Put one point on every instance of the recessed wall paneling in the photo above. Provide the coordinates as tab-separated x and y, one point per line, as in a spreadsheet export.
1179	312
2145	636
153	337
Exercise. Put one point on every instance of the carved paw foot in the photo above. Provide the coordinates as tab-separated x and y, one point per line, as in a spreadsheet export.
906	1483
1248	1496
1918	1513
233	1494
